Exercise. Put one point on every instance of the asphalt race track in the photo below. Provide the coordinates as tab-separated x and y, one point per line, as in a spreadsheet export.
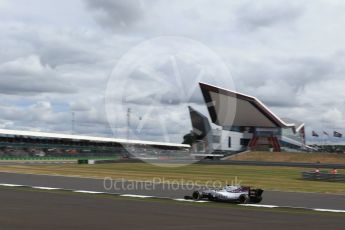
21	209
306	200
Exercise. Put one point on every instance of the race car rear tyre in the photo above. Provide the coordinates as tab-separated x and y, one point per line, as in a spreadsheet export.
196	195
256	200
244	199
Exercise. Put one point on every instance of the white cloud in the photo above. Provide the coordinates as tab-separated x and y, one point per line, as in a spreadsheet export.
56	57
116	14
28	75
260	14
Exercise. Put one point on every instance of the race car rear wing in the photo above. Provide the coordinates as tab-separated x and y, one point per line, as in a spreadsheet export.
255	192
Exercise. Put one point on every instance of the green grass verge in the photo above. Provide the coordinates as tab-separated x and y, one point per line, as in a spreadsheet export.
270	178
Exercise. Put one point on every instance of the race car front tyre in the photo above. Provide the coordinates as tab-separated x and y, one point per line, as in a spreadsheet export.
196	195
244	199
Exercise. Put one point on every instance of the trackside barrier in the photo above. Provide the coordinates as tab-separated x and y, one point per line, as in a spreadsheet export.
83	161
94	161
323	176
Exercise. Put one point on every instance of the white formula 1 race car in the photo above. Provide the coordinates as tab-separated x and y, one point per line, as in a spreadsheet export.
236	194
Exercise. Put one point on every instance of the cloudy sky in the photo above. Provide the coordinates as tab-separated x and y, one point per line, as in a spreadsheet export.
59	57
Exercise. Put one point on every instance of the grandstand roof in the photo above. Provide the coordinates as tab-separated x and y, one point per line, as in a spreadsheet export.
230	108
86	138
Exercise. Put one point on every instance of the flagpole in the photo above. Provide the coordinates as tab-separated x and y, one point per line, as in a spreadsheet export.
322	138
333	138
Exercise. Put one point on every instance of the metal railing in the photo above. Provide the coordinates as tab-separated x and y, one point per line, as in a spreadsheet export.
322	176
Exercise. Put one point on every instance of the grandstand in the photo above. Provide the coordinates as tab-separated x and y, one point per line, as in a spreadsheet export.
15	143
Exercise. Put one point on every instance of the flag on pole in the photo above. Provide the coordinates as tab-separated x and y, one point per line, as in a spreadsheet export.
314	134
337	134
325	133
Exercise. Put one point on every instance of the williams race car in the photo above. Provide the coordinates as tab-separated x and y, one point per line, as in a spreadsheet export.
236	194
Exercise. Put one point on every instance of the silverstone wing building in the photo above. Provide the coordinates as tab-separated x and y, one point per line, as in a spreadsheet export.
243	122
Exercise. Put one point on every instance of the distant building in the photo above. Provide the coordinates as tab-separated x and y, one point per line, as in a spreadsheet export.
243	122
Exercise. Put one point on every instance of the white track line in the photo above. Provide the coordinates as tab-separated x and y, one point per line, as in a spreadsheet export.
197	201
136	196
44	188
11	185
90	192
182	200
328	210
260	205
